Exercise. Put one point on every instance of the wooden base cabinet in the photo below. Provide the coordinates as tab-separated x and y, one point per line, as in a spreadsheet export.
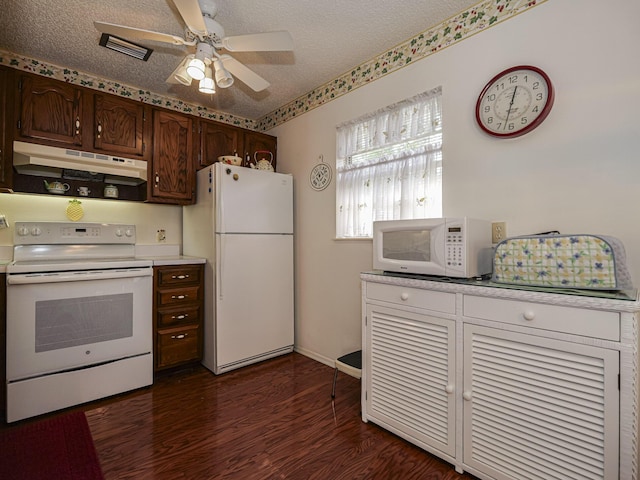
178	311
504	384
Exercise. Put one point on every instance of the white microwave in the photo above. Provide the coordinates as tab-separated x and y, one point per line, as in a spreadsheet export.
451	247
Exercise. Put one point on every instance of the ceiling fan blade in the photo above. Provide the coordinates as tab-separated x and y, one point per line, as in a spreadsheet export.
243	73
138	33
192	16
259	42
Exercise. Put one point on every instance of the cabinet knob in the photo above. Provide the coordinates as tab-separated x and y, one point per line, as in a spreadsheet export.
179	297
99	129
77	125
404	296
179	337
529	315
179	317
467	396
180	277
448	389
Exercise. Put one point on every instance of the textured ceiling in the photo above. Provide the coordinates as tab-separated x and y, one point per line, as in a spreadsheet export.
330	38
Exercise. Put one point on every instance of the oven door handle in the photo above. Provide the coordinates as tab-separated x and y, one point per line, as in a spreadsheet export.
77	276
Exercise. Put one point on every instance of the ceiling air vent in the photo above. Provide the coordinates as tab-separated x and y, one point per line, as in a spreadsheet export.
125	46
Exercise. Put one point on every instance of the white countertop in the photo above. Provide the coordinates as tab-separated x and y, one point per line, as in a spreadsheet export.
174	260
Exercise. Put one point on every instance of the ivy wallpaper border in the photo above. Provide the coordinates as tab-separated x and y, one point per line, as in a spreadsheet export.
457	28
484	15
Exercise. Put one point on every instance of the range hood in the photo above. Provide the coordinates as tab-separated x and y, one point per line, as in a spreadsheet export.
45	161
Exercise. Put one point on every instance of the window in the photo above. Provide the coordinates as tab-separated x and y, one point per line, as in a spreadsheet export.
389	165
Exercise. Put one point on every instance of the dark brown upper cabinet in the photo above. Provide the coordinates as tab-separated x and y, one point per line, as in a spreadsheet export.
172	172
121	126
50	111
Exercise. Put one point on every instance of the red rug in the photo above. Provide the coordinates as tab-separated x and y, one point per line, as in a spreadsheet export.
56	448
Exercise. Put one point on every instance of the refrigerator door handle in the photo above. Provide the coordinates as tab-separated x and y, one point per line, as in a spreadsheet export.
220	262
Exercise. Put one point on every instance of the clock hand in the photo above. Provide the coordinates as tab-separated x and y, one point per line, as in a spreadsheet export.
510	105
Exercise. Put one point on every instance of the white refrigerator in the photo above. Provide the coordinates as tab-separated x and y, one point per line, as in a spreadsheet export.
242	223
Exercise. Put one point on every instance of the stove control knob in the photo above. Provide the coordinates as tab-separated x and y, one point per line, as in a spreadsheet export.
118	232
36	231
23	231
128	232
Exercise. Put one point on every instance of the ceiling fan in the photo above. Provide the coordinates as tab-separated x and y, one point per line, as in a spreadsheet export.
207	35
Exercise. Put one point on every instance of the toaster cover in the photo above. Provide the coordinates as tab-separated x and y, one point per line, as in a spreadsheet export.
564	261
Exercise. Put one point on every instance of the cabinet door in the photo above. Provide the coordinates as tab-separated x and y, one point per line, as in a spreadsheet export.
216	139
120	126
410	376
172	173
50	110
256	142
6	110
539	408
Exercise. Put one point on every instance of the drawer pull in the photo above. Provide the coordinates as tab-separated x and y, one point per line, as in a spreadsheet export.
404	296
179	277
448	389
467	396
179	317
179	337
529	315
179	297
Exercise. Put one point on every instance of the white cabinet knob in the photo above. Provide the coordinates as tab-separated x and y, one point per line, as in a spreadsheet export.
448	389
529	315
467	396
404	296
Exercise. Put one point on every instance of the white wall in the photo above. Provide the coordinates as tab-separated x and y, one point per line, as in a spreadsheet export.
577	173
147	218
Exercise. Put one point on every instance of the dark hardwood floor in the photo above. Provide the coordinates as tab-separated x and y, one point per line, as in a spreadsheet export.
273	420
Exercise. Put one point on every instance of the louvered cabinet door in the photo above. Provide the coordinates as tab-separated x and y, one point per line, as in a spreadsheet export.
410	366
539	408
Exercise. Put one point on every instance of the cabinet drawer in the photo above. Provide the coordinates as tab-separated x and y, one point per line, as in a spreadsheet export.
575	321
177	296
412	297
179	275
177	345
179	316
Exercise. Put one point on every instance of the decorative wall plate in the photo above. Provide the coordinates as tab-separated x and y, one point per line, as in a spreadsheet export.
320	177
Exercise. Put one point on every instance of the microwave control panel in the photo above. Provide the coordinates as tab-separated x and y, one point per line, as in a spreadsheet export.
454	251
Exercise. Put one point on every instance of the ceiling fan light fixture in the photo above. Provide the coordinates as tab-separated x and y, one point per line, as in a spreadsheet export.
181	74
206	84
223	77
196	66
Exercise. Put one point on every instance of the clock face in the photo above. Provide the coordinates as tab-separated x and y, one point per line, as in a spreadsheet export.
514	102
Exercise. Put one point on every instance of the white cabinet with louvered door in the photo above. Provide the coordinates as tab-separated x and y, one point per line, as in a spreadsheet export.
539	408
410	365
505	384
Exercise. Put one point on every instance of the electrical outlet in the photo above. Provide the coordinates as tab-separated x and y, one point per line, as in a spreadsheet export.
161	235
498	231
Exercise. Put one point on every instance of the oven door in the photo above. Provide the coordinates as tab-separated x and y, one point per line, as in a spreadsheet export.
70	320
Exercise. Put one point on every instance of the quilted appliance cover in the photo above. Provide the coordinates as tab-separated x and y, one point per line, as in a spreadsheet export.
593	262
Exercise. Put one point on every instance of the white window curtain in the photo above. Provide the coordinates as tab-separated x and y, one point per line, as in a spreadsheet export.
389	165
